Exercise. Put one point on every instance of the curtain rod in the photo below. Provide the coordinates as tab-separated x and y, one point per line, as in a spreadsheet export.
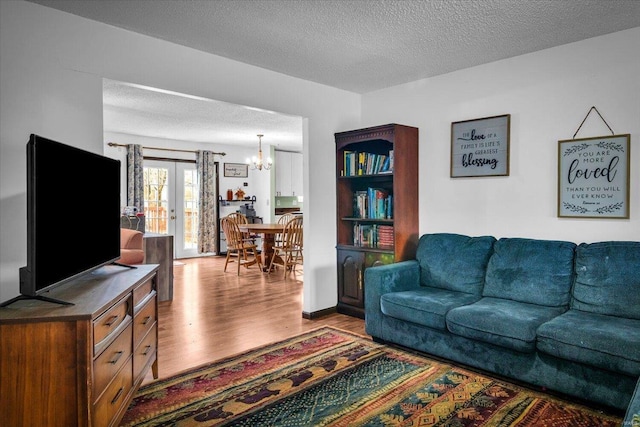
113	144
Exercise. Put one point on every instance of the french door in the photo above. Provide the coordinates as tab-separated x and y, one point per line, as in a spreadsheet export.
171	203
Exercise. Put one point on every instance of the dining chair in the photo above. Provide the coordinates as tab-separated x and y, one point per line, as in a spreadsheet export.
245	252
284	219
241	218
288	252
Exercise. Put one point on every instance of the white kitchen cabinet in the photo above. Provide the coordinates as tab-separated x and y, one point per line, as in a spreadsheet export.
296	174
283	173
288	173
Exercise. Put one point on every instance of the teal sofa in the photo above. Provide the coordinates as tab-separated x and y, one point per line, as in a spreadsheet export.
632	418
553	314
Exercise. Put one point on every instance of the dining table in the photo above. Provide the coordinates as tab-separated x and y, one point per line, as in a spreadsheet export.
268	232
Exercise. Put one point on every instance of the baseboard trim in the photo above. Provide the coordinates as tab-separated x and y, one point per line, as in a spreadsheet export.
317	314
350	310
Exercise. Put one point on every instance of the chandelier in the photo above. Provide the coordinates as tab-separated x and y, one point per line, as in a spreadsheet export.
257	162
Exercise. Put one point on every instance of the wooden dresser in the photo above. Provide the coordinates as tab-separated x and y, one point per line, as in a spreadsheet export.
79	365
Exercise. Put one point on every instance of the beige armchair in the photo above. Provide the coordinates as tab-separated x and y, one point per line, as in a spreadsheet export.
131	249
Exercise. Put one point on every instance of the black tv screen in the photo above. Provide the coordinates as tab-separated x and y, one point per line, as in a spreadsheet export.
73	214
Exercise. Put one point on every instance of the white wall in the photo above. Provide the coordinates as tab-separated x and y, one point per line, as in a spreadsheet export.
51	70
548	94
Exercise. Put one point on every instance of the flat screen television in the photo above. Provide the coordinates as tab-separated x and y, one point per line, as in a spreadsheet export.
73	215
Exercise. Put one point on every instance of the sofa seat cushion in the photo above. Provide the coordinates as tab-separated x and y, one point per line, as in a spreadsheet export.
607	279
531	271
607	342
505	323
454	261
425	306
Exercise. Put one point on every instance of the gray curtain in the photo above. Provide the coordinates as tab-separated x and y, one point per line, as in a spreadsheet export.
207	227
135	177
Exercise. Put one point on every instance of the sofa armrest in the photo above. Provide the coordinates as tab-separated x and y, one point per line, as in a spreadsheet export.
380	280
632	418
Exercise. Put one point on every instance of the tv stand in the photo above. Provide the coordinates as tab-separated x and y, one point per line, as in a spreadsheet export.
80	365
38	297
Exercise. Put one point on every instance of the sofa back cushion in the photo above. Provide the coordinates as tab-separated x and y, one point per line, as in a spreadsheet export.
531	271
608	279
453	261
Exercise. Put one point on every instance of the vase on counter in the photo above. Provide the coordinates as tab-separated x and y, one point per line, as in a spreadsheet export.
229	194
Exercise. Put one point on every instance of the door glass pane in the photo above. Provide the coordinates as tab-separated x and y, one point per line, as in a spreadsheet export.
190	209
156	200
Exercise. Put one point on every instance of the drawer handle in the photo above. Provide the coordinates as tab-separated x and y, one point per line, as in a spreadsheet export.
146	350
117	357
115	399
112	320
146	320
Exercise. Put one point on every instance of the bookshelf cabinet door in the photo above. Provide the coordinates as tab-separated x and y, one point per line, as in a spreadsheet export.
350	278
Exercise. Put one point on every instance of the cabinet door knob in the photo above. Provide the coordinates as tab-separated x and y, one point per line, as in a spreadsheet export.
112	320
146	350
117	396
117	357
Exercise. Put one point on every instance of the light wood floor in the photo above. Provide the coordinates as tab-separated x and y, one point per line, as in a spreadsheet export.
215	314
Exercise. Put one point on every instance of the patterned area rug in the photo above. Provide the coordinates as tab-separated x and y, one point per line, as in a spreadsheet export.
329	377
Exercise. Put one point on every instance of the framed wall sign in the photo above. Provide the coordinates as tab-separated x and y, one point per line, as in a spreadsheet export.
593	177
480	147
236	170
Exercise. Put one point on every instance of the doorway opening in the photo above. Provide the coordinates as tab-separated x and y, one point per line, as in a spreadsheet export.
153	117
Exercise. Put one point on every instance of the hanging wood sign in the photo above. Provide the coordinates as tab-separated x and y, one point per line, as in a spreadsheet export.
480	147
236	170
593	177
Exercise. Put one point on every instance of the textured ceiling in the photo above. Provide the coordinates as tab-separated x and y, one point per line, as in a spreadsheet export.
144	111
363	45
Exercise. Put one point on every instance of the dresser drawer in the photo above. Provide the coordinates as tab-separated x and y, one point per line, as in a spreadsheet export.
144	320
143	291
107	324
114	397
146	352
107	365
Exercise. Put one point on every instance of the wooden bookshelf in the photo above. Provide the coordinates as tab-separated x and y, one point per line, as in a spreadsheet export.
360	166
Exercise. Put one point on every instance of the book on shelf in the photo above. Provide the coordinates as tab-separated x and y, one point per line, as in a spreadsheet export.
360	204
347	167
373	203
385	235
385	165
373	235
357	163
377	203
